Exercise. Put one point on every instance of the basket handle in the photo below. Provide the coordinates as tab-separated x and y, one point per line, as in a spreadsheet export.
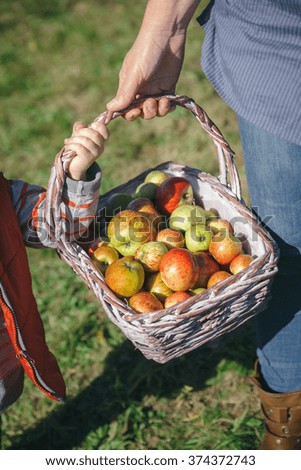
225	155
227	168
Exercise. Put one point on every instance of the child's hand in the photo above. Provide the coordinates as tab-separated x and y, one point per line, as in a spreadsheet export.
88	143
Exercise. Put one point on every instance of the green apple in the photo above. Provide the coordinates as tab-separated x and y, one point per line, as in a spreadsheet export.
198	238
155	285
147	190
185	216
211	214
128	248
156	176
197	290
117	202
128	230
103	256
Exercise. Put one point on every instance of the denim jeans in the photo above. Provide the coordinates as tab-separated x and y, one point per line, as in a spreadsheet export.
273	168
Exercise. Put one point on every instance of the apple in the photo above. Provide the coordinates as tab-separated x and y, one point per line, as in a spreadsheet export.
224	247
100	241
218	225
179	269
198	238
208	266
117	202
125	276
145	302
146	206
211	214
103	256
185	216
140	204
146	190
150	255
128	230
171	238
155	285
176	298
172	193
156	176
197	290
218	277
240	262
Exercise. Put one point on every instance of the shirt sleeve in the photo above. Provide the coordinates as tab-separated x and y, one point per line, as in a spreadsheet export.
77	208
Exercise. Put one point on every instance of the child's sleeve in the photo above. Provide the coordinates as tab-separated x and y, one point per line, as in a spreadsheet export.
78	207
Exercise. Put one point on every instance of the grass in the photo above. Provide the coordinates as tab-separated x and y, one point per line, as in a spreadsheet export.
59	63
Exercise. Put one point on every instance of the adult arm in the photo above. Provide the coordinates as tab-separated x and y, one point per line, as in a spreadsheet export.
154	62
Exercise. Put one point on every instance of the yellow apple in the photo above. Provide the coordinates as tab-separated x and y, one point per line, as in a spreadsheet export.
145	302
125	276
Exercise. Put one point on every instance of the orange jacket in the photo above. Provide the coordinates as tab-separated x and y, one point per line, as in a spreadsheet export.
19	307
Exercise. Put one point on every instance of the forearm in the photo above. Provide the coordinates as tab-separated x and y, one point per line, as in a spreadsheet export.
77	209
153	64
169	17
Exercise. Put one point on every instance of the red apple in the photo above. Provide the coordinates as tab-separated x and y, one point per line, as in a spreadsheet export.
176	298
145	302
224	247
171	238
155	285
145	206
125	276
128	230
240	262
208	266
179	269
172	193
218	277
140	203
218	225
103	256
150	255
100	241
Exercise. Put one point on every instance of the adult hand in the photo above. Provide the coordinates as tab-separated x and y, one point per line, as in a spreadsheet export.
153	64
151	67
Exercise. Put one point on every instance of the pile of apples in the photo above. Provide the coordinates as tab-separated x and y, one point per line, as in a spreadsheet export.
160	248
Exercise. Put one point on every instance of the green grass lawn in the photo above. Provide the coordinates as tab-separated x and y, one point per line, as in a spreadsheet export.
59	63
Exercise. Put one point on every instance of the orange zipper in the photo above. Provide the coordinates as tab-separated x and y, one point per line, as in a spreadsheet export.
23	355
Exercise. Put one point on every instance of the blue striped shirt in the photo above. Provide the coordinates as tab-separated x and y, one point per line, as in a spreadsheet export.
252	56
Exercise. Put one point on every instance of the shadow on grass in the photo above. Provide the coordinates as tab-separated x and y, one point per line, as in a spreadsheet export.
127	378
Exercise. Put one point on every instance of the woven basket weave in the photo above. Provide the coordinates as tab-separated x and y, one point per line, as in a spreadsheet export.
170	333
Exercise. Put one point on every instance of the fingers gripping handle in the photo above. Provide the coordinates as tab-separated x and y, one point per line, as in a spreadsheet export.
225	155
228	173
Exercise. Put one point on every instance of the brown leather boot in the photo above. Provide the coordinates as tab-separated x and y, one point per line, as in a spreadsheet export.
282	416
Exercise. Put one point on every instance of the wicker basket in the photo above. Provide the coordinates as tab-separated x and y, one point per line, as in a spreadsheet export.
170	333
